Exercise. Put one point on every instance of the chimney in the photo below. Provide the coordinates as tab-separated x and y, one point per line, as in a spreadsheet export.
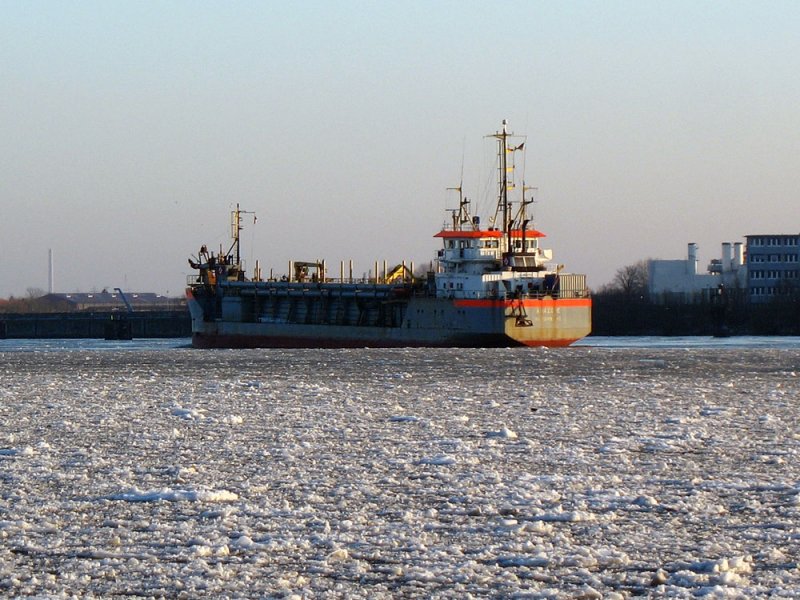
738	255
50	271
727	257
692	262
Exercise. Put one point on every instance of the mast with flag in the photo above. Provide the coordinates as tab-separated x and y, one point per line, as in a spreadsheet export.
506	183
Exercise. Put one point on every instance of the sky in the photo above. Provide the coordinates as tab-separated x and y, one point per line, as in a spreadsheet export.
130	130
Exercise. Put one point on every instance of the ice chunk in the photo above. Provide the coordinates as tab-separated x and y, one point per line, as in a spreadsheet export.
176	495
190	414
504	433
439	460
338	555
403	419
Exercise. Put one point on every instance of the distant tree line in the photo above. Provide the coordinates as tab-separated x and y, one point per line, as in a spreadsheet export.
624	307
34	301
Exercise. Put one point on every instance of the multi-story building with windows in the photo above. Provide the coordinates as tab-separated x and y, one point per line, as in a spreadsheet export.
773	266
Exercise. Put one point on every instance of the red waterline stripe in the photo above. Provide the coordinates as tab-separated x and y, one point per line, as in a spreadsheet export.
566	303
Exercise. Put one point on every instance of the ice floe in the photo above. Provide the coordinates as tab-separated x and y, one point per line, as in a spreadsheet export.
578	473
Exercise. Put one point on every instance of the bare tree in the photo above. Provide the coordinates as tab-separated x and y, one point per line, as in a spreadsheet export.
629	281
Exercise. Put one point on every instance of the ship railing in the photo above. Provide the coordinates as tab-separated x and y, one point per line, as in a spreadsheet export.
310	288
193	280
526	295
335	280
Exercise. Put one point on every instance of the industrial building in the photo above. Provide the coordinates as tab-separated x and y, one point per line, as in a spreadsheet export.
680	282
772	261
765	268
109	301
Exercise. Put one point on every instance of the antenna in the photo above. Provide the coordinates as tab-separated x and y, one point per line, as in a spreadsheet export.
461	215
522	214
236	229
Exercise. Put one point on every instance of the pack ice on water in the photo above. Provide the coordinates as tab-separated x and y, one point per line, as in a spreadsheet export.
594	472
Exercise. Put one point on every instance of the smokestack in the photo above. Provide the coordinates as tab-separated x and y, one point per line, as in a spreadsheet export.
692	266
738	254
727	257
50	271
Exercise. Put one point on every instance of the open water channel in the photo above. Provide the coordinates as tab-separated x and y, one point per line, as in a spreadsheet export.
614	469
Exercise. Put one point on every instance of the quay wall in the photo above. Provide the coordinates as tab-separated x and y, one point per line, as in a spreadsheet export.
144	324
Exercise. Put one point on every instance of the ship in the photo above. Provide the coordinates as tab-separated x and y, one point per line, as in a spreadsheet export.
492	286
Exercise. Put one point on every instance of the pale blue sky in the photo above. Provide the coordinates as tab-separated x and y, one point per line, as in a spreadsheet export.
130	129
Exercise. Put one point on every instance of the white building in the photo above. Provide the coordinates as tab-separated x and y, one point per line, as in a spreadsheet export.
678	281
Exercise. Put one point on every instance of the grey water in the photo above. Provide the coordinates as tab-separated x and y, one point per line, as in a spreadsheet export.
615	468
743	342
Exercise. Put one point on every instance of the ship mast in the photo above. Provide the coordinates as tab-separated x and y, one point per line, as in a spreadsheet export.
503	149
236	229
461	215
505	184
502	201
522	215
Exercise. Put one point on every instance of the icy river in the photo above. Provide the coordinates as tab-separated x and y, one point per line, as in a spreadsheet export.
615	469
